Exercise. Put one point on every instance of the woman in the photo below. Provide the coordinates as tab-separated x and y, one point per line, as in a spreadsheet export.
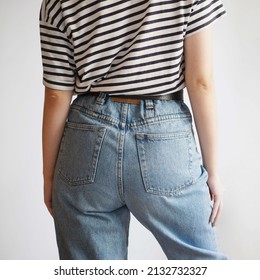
128	143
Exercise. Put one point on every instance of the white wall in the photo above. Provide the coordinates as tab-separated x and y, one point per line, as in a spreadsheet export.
237	60
26	230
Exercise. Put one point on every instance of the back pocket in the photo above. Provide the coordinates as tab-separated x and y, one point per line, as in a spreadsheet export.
79	153
166	162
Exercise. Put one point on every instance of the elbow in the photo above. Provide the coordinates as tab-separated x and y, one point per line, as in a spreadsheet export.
200	85
57	96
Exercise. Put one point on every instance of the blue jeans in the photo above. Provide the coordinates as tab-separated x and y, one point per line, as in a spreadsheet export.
116	158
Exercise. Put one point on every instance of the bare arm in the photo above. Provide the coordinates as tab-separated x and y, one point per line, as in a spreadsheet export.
200	86
56	107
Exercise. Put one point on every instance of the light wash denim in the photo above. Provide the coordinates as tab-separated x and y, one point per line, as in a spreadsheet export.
116	158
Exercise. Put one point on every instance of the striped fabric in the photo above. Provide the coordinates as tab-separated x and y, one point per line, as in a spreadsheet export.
119	46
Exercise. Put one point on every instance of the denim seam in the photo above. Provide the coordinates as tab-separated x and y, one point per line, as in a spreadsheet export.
159	119
86	127
95	116
124	113
162	136
120	148
191	161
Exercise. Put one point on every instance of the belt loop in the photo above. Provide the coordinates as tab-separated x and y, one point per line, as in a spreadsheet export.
101	98
149	106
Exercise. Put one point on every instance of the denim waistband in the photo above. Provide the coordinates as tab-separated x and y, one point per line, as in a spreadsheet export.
103	108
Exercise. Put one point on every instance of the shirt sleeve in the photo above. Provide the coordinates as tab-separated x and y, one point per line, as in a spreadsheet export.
57	52
203	14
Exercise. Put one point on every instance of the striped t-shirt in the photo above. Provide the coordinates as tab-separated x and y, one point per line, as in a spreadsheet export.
120	46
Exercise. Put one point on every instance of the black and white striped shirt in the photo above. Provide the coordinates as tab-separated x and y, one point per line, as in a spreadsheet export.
119	46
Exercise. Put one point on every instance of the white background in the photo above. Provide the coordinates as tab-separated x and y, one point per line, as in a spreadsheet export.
26	229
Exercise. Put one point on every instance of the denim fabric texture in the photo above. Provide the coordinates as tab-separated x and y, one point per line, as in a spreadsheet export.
116	158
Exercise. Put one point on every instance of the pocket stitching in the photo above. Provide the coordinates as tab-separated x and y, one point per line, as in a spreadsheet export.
144	170
94	159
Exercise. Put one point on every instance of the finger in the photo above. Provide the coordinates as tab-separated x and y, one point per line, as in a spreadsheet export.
218	213
215	209
49	207
211	195
50	211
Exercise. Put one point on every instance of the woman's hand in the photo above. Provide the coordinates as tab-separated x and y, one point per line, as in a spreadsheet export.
216	193
48	185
